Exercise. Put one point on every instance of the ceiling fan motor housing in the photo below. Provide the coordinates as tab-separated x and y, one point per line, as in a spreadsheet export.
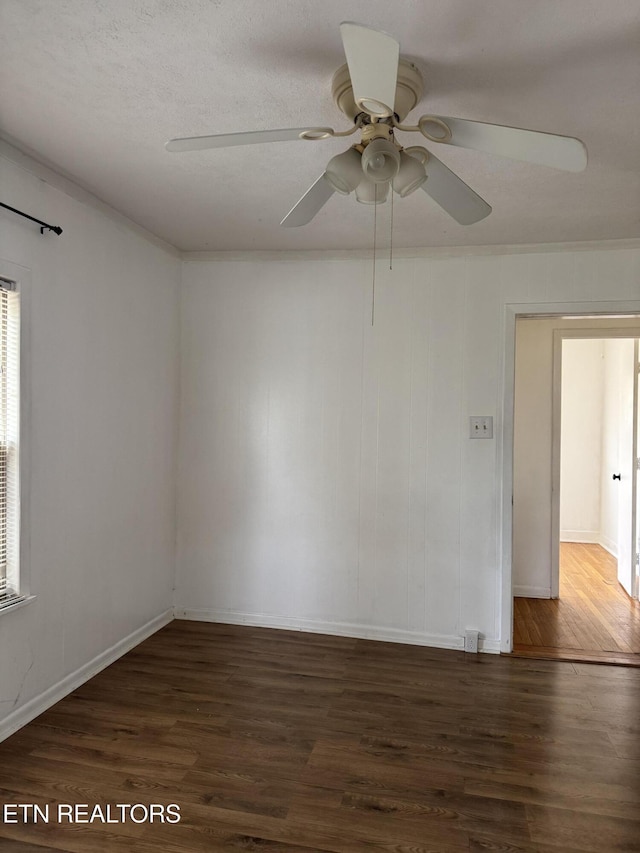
409	88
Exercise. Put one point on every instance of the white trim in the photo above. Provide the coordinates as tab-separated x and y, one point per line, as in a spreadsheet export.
635	580
608	545
416	252
511	311
532	592
339	629
556	433
18	602
31	709
589	537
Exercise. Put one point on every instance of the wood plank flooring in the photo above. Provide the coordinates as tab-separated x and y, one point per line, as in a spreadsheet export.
284	742
593	620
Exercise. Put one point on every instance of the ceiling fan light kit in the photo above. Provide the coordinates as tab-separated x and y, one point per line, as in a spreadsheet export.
380	161
376	89
344	171
369	193
411	175
418	153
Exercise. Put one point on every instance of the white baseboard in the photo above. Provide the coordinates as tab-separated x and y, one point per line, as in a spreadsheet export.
589	537
31	709
339	629
532	591
609	545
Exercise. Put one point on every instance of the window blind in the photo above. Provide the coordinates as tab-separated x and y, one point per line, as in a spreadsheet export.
9	433
4	312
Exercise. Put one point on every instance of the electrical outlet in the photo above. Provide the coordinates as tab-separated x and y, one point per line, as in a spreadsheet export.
481	426
471	642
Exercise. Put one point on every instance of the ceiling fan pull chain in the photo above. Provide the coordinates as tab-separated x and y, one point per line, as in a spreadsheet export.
391	235
375	222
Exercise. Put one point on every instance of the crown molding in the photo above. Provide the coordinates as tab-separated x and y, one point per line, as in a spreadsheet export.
418	252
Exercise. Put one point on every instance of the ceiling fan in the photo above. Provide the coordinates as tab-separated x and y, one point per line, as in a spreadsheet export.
376	89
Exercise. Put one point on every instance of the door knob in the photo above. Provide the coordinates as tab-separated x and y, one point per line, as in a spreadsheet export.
617	477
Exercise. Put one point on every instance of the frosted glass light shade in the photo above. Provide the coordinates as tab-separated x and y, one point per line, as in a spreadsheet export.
344	171
369	193
380	161
411	175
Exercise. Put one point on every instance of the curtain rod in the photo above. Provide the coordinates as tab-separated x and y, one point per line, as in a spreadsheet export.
43	225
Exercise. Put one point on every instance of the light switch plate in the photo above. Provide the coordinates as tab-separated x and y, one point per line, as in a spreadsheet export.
480	426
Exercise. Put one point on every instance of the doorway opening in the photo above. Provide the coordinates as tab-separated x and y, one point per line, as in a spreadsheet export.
575	530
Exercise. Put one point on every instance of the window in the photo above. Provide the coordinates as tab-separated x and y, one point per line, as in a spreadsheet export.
10	588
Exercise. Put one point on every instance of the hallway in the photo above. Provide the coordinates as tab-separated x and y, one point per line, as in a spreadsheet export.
594	619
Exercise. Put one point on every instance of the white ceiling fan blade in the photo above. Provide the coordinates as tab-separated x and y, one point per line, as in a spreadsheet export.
532	146
372	57
452	194
315	198
227	140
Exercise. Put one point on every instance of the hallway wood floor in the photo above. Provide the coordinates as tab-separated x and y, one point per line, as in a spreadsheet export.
284	742
594	619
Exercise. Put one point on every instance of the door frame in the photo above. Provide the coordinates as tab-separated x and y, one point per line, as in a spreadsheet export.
585	310
560	335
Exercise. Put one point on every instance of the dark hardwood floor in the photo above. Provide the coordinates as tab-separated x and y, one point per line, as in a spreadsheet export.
593	620
284	742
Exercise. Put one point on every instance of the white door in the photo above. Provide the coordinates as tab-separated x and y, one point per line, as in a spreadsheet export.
625	476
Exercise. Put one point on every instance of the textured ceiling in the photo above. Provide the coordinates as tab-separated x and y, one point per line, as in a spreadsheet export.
97	86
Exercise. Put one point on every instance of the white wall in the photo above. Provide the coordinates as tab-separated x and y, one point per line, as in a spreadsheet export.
326	478
581	439
103	331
